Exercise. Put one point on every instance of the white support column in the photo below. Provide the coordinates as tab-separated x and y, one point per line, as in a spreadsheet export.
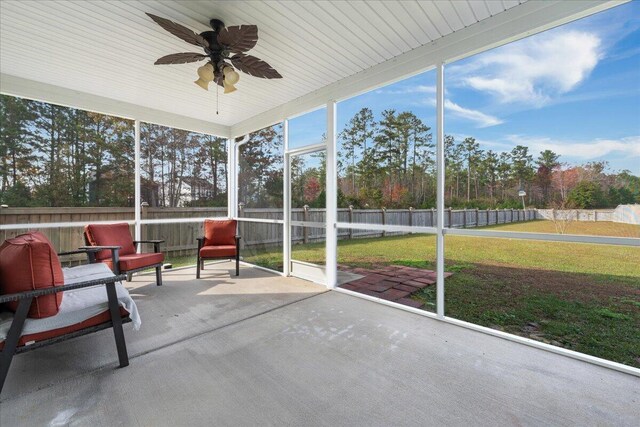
232	179
331	199
440	169
138	196
286	205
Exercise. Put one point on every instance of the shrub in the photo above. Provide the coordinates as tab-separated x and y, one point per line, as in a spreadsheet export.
587	195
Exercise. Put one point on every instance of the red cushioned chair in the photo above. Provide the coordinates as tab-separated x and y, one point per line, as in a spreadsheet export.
220	241
32	285
125	258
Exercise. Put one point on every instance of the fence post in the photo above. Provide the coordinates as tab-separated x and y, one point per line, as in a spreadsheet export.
477	218
432	221
384	220
464	218
2	220
350	221
410	217
305	230
450	225
144	214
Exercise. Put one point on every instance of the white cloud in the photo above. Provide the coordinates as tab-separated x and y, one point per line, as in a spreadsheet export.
583	150
535	70
480	118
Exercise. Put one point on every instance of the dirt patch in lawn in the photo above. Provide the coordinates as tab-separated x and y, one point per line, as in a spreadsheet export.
573	286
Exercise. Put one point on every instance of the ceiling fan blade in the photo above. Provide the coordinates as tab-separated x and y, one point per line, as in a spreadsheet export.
239	38
254	66
180	31
180	58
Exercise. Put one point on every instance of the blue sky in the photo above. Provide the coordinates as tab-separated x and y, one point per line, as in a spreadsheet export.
574	89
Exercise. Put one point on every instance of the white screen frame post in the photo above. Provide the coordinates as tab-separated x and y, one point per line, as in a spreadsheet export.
138	192
331	206
286	203
440	170
232	178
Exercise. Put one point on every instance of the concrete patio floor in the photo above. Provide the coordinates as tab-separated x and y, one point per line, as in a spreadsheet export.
265	350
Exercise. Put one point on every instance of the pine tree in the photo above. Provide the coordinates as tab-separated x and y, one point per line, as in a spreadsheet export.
547	162
522	166
355	137
490	165
470	149
16	155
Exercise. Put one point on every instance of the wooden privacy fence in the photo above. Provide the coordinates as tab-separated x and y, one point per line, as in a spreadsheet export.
577	214
180	237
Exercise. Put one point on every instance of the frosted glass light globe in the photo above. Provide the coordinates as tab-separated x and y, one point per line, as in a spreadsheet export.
205	76
230	75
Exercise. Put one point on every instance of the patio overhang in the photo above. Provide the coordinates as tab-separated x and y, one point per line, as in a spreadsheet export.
39	91
77	77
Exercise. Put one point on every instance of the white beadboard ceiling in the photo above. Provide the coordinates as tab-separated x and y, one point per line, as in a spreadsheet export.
107	48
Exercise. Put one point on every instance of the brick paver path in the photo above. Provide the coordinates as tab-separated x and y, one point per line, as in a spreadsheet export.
394	282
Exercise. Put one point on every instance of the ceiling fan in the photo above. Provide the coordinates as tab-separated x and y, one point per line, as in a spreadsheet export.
224	50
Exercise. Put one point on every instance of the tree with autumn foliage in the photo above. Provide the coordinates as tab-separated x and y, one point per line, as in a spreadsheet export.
397	169
57	156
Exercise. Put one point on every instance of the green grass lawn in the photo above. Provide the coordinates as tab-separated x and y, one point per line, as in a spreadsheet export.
584	297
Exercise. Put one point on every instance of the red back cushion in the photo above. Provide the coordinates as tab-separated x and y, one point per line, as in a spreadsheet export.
110	235
220	232
28	262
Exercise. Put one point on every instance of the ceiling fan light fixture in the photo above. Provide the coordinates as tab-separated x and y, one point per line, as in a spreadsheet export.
224	49
204	85
205	76
231	76
228	87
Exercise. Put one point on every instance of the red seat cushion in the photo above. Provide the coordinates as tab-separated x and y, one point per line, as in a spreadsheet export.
98	319
29	262
110	235
135	261
220	232
218	251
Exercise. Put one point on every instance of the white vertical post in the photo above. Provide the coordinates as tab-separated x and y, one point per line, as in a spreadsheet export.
331	199
440	166
286	205
232	179
137	192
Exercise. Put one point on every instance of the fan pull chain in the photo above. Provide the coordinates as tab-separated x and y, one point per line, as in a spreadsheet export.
217	99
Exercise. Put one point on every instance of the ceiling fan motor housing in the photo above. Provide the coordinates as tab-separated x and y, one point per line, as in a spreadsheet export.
215	49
